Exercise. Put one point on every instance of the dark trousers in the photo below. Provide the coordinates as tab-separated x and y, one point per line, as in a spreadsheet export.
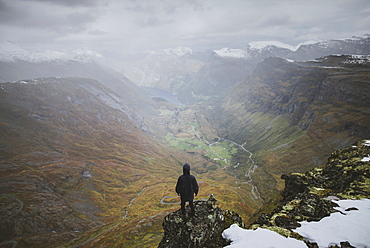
191	207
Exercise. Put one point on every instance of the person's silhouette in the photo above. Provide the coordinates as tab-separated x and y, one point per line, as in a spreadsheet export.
186	187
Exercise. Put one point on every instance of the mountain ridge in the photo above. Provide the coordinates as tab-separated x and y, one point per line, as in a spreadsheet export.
85	138
288	112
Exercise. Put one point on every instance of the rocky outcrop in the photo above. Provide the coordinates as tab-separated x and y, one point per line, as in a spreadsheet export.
202	230
308	196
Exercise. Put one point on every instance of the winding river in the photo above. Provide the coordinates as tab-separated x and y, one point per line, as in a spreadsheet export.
254	194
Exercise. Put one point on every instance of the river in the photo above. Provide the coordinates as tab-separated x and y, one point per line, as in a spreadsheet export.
254	194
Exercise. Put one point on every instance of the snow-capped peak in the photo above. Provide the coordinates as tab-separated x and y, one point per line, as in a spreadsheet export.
264	44
231	53
10	52
178	51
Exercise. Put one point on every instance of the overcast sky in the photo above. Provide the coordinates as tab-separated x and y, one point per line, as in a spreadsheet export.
137	25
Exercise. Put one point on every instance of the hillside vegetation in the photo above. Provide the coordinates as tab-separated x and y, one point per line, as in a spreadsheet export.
80	167
293	115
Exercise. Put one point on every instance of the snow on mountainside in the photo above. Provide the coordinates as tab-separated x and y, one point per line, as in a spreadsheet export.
10	52
303	51
255	48
266	44
179	51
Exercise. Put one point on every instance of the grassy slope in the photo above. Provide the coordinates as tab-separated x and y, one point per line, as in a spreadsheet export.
88	176
293	116
49	141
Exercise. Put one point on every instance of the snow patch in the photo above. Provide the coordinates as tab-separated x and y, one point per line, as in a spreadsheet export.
351	223
366	159
346	225
263	44
261	238
357	59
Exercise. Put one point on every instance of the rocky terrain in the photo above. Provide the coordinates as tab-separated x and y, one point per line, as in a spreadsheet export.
202	230
307	197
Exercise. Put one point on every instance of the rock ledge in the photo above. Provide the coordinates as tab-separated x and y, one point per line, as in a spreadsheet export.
202	230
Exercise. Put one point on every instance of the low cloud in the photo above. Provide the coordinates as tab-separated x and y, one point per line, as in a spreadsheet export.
135	25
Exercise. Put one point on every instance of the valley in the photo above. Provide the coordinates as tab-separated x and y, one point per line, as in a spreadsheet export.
90	159
78	181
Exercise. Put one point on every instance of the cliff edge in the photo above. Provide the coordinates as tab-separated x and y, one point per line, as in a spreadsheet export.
203	230
312	196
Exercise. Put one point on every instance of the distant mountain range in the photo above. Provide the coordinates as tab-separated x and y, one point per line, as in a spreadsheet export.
88	156
199	76
192	75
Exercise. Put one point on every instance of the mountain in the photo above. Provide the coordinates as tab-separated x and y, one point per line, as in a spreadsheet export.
315	49
10	52
194	76
257	51
30	65
291	115
74	157
226	67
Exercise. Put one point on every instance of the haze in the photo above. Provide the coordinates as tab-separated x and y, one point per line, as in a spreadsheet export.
142	25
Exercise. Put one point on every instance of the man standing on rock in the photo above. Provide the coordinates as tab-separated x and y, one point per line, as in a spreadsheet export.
186	187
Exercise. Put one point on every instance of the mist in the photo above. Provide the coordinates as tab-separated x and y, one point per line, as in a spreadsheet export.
131	26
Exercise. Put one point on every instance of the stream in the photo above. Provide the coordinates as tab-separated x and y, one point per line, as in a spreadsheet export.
254	194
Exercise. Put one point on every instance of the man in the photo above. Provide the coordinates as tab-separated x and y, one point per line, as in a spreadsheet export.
186	187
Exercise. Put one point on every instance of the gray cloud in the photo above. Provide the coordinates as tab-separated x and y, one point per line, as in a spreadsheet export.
133	25
68	2
51	18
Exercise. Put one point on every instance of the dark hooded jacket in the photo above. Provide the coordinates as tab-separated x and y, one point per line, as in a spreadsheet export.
187	185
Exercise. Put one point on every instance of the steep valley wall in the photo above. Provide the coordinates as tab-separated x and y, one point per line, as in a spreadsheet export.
292	115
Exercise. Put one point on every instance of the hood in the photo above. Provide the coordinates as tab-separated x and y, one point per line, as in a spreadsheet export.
186	169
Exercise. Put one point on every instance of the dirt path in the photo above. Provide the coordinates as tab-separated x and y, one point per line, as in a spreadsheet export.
10	216
18	210
10	242
169	197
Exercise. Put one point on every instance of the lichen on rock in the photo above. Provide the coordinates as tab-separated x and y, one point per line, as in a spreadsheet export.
309	196
202	230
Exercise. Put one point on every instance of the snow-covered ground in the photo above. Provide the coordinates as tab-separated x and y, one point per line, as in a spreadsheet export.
259	238
351	223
